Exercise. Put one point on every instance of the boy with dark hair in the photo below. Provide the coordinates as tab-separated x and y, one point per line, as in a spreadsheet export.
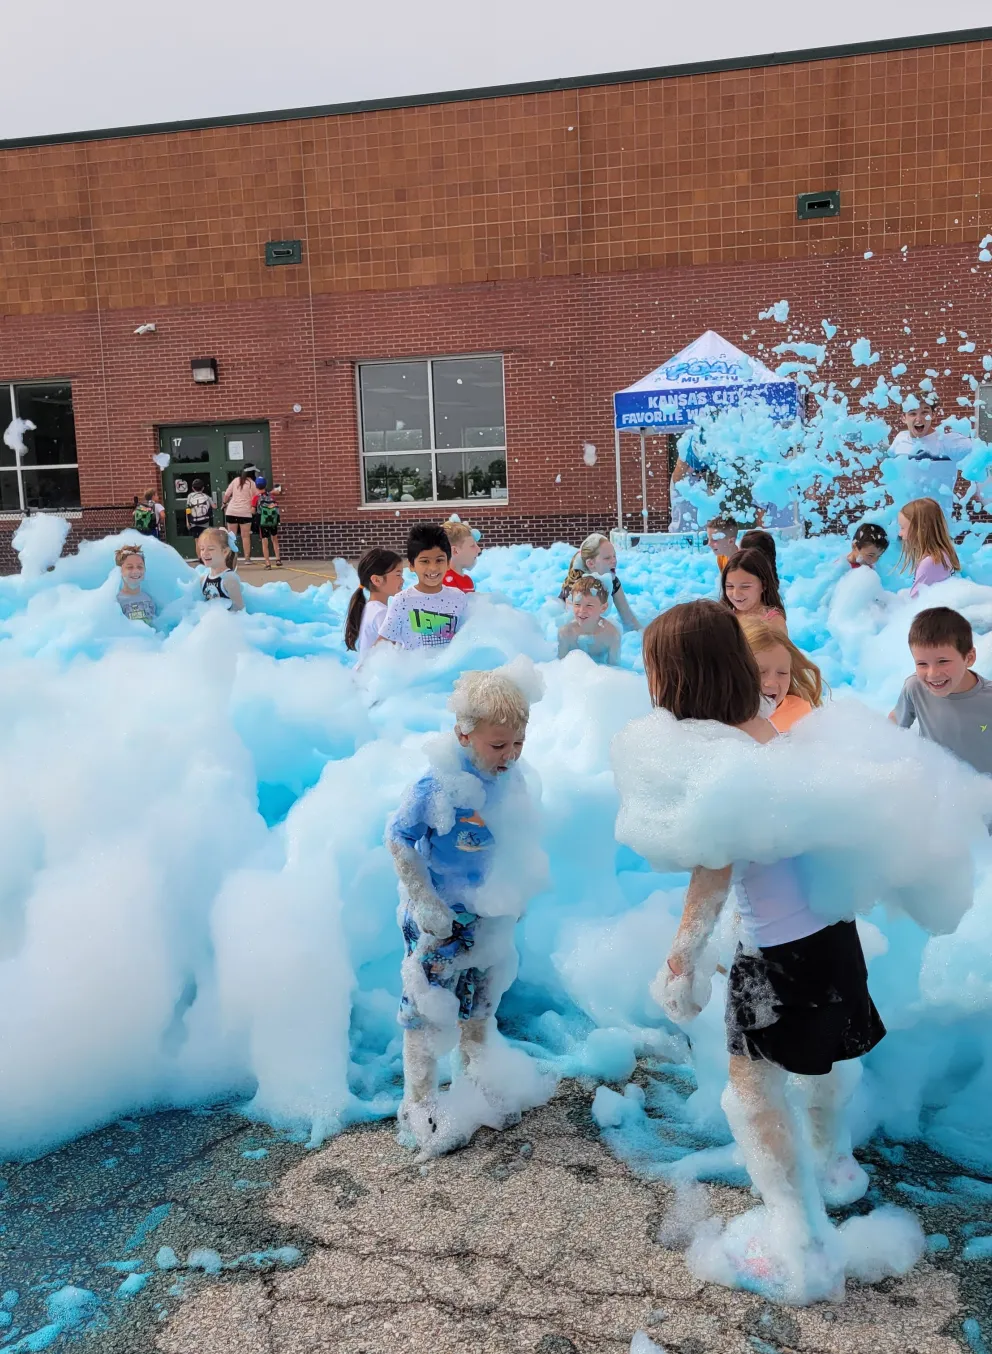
428	614
951	703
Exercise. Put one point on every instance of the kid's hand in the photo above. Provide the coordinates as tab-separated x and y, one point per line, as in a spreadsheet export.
673	993
433	917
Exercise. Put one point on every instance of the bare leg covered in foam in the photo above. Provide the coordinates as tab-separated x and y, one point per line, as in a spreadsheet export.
841	1179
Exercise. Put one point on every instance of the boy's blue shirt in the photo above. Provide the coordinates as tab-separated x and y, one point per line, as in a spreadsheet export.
458	860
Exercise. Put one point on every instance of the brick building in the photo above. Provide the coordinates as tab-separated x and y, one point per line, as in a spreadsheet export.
409	305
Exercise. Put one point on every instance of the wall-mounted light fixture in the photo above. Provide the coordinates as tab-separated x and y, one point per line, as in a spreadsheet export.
204	370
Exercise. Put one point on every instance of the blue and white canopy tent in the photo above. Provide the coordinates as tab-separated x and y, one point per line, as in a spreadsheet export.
710	374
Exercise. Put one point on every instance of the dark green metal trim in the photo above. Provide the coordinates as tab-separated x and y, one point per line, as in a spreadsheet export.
735	63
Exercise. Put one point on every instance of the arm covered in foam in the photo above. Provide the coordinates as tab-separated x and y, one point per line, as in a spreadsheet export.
404	830
627	617
682	986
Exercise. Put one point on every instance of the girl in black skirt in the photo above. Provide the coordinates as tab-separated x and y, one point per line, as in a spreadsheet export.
797	996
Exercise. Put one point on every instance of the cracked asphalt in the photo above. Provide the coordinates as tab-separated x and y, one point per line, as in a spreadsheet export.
534	1241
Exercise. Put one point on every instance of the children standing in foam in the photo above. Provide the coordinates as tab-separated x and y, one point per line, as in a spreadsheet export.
597	556
132	599
927	547
797	1000
951	703
220	585
588	630
428	615
928	458
791	683
749	588
868	545
380	573
457	928
465	551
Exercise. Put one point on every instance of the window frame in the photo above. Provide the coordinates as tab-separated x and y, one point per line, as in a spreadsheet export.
16	515
433	451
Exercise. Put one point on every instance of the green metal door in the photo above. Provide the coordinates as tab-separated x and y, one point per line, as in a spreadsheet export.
215	454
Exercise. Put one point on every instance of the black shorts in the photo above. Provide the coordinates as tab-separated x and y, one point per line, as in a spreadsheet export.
803	1006
268	533
196	529
238	521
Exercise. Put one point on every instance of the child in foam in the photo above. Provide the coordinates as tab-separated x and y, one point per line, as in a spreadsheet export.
797	999
588	630
428	615
380	574
868	544
928	458
721	538
220	585
756	539
946	698
791	683
453	829
597	556
465	550
132	599
749	588
927	547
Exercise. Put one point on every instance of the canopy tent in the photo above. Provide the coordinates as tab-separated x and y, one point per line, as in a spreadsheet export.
710	374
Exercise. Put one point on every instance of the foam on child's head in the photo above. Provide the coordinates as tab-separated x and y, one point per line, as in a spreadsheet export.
940	627
590	586
503	696
458	532
126	551
592	545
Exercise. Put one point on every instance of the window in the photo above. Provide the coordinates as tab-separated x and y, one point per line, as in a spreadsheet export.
433	431
46	473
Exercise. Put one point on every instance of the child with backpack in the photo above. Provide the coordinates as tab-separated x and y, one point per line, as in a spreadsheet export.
199	510
148	513
266	509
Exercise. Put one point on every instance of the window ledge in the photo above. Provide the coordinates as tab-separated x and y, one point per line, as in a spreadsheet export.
424	503
71	514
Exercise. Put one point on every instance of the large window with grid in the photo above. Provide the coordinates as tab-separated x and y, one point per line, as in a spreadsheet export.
432	431
45	473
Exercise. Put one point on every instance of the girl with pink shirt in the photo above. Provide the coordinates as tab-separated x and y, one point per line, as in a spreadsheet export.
927	547
238	507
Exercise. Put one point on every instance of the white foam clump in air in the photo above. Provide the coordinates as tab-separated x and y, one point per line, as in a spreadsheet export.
779	312
589	453
162	459
13	435
900	831
39	541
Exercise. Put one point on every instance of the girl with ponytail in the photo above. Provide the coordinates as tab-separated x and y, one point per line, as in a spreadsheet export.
380	572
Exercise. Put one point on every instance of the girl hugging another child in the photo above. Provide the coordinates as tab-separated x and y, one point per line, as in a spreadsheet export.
749	587
380	574
220	584
588	630
927	547
597	556
791	683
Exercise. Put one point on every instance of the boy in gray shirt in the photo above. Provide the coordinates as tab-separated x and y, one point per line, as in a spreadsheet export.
951	703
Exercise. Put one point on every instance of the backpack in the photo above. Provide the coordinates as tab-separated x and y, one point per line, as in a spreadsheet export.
268	514
201	513
144	517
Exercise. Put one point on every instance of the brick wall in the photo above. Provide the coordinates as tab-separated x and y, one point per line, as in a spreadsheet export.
584	234
568	344
695	169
